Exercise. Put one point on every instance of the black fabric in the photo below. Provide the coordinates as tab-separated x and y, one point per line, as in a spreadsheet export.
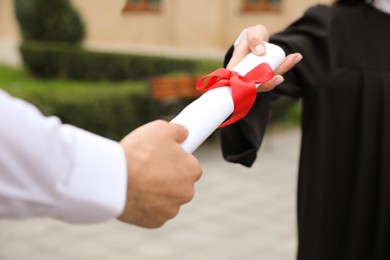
344	169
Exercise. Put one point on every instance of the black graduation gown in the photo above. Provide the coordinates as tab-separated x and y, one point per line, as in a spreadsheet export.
344	169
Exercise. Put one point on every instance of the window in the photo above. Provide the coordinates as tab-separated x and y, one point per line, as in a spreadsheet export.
141	5
261	5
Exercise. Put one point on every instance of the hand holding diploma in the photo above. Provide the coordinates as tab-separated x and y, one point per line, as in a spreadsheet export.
253	40
159	180
208	112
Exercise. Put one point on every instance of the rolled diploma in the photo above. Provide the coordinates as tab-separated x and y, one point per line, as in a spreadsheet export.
203	116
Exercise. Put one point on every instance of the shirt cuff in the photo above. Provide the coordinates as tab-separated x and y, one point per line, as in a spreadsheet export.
96	188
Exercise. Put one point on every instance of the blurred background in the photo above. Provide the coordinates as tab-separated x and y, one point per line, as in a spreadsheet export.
110	66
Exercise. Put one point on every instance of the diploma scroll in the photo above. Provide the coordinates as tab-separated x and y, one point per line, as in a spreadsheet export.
203	116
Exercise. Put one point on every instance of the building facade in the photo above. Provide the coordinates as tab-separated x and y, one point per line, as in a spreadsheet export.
201	28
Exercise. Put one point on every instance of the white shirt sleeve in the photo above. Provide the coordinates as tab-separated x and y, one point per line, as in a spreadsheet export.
48	169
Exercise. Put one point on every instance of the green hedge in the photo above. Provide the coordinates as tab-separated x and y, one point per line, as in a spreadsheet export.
53	60
54	21
108	111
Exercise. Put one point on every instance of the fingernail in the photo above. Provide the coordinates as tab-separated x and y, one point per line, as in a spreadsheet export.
298	59
260	50
278	80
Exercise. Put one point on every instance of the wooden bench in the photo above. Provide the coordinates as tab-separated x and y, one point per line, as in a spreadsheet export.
174	87
170	94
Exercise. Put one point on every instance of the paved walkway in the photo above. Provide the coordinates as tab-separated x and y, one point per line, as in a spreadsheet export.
237	214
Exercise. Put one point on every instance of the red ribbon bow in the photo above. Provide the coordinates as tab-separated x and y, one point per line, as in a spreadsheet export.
243	87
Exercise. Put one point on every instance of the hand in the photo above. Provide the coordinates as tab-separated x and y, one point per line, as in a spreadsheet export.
161	175
252	40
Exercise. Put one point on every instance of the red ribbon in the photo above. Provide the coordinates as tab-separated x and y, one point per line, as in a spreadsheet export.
243	87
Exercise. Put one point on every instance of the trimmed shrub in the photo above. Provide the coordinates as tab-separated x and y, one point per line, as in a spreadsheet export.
45	20
110	112
48	60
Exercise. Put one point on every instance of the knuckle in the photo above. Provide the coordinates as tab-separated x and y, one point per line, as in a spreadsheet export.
163	217
254	40
174	211
195	169
188	196
259	27
156	224
160	123
265	87
262	30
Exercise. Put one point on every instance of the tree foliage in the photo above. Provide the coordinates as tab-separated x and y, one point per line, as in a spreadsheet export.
49	20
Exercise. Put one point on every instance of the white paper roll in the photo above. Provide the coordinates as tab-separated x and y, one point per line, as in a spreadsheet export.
203	116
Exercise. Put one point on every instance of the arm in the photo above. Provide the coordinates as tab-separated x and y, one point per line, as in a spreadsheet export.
56	170
240	141
306	37
48	169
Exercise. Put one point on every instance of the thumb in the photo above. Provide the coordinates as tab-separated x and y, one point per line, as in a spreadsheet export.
256	37
179	132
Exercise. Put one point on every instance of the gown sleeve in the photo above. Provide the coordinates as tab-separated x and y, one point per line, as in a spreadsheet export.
308	35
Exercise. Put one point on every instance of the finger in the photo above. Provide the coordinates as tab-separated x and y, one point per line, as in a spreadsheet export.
197	171
179	132
238	55
252	41
269	85
290	61
256	38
